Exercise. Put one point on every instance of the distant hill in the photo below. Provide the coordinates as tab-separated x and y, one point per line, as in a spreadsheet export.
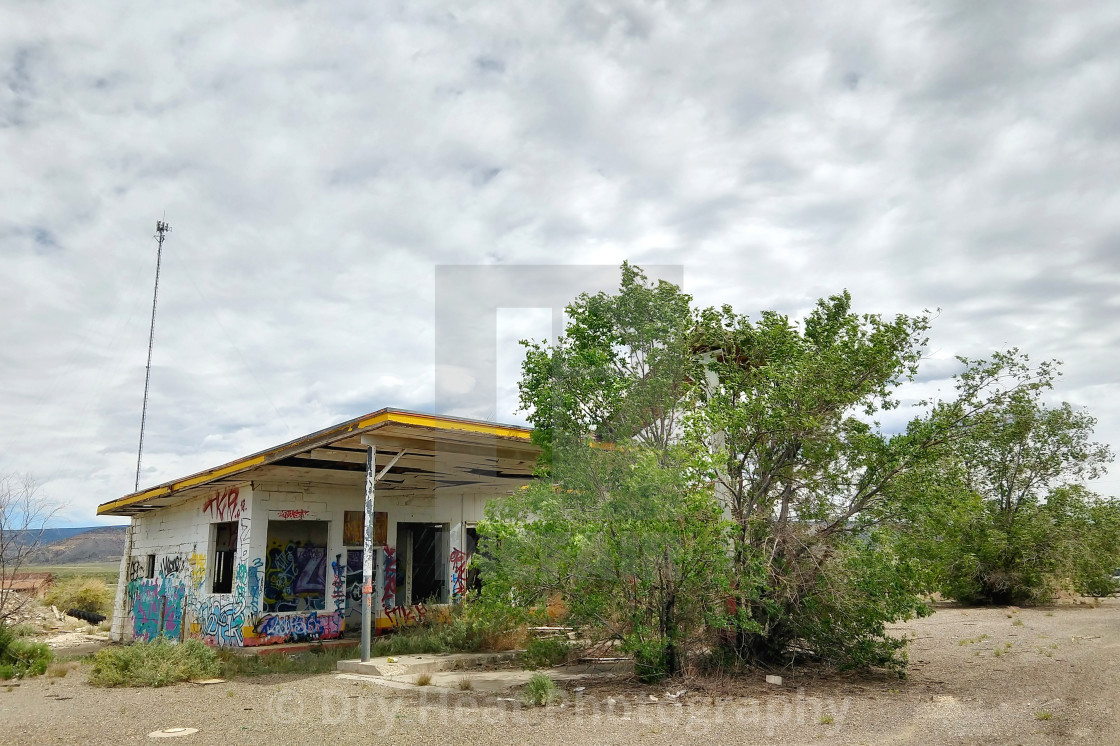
49	534
80	545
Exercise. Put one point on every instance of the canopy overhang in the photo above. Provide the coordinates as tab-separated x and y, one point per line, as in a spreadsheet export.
433	455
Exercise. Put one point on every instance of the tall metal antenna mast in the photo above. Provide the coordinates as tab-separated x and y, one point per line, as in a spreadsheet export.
162	229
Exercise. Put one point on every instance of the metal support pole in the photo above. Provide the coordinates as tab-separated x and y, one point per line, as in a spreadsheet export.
367	551
162	229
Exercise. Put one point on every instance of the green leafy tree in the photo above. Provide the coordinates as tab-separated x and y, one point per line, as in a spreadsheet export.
1015	522
622	524
650	409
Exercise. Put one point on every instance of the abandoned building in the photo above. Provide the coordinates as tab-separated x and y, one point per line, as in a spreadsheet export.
270	548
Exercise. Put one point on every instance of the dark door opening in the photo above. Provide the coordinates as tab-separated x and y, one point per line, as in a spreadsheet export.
421	563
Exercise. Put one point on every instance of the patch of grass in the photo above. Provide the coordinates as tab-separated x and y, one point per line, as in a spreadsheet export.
59	670
545	652
107	571
423	679
22	630
825	720
466	684
540	691
155	663
319	659
85	593
997	652
1017	623
1044	715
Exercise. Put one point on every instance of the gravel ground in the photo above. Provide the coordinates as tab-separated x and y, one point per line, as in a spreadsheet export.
1055	679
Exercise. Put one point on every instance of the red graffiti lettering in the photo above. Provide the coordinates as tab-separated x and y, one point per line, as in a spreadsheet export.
294	514
402	615
459	560
225	506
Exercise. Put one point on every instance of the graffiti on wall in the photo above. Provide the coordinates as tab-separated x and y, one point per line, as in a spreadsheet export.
172	564
389	595
157	607
197	566
402	615
294	515
271	629
459	562
295	577
221	622
146	609
338	584
354	575
224	505
254	583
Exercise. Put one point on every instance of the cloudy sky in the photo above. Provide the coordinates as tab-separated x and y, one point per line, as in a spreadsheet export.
319	161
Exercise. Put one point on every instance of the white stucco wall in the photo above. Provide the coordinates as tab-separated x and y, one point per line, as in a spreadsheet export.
177	602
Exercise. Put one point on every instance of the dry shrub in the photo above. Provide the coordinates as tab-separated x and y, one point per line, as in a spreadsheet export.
88	594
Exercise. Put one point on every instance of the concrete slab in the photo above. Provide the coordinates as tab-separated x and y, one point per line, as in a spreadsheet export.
486	681
429	663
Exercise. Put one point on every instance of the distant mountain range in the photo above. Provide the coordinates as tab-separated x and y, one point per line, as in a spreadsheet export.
68	546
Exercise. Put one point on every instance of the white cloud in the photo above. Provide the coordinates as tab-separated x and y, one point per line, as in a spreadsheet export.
318	161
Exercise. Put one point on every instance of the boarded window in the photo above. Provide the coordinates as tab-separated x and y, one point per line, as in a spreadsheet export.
225	549
295	570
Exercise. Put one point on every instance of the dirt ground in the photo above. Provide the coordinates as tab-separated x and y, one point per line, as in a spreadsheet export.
977	676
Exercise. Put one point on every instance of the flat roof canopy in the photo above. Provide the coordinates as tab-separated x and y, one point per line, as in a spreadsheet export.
439	455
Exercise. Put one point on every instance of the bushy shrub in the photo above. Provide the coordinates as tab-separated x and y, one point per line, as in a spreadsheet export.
86	594
544	652
155	663
20	657
540	691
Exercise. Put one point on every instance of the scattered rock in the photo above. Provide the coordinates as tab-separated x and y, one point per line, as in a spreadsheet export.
776	680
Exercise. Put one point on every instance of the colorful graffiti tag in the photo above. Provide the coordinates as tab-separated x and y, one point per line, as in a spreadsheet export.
295	578
459	562
338	584
389	595
221	622
271	629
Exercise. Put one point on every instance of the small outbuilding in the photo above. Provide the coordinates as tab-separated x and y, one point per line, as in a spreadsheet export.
274	547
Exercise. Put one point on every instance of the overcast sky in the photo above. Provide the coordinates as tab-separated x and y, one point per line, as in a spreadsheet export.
318	161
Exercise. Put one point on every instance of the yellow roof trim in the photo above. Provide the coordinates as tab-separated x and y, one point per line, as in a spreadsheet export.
319	438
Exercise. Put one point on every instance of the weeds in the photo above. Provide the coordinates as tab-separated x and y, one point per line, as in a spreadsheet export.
320	659
1017	623
546	652
59	670
826	720
466	684
540	691
423	679
155	663
1044	715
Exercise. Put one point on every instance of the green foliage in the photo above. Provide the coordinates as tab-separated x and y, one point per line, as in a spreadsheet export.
155	663
319	659
85	593
545	652
712	479
20	657
540	691
1013	523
